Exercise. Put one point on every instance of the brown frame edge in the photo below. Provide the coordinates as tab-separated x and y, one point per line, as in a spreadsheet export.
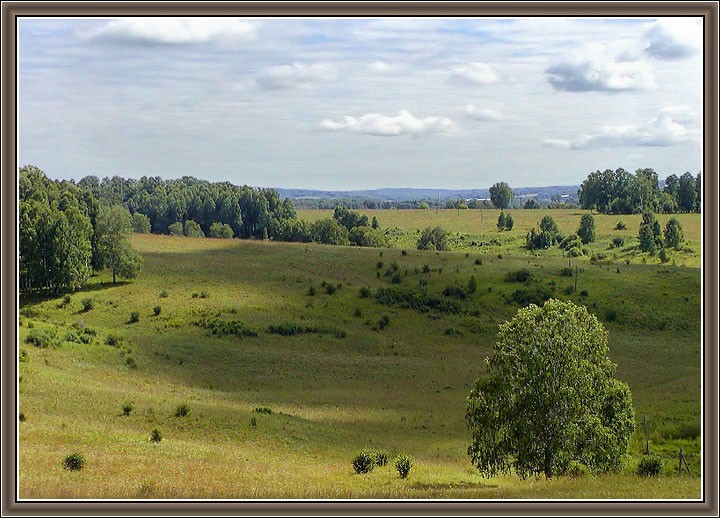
12	507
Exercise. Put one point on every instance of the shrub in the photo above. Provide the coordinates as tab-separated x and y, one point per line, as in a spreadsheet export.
381	457
649	466
330	289
525	297
41	338
311	291
472	284
518	276
478	261
130	362
569	290
253	422
577	470
611	315
21	417
163	294
74	462
586	232
458	293
87	304
134	317
182	410
113	340
358	312
365	292
426	268
379	265
618	241
157	310
673	234
620	226
584	293
383	322
663	256
23	356
262	410
567	272
156	435
127	408
575	252
363	462
403	464
204	294
395	279
65	301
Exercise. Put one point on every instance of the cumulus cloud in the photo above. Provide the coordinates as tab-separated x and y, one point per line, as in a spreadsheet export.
404	123
595	69
475	73
173	31
294	75
382	68
672	126
676	38
482	114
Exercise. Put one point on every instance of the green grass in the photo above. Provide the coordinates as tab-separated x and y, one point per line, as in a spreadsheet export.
401	388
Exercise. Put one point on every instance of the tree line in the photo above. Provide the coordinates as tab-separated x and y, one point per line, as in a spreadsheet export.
620	192
65	234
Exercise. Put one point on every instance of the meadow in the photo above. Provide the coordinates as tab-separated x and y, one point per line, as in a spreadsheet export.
289	361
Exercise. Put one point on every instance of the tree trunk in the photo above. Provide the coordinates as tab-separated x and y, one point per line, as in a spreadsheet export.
113	275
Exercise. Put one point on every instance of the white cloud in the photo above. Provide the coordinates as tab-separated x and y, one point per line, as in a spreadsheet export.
675	38
404	123
672	126
475	73
295	75
482	114
383	68
173	31
593	68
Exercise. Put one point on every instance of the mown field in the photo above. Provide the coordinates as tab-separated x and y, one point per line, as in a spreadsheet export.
359	371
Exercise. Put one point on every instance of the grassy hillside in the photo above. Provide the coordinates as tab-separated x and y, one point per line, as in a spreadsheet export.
348	371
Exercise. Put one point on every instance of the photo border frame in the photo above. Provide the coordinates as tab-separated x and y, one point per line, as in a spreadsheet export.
13	506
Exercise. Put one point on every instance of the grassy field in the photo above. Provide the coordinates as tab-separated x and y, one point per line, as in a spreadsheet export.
476	230
348	382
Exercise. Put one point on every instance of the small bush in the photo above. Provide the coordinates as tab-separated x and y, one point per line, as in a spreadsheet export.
649	466
134	317
157	310
379	265
23	357
156	435
330	289
383	322
584	293
182	410
21	417
404	252
381	457
113	340
163	294
426	268
620	226
518	276
74	462
127	408
311	291
575	252
262	410
365	292
195	295
403	464
395	279
87	304
618	241
567	272
130	362
569	290
65	301
204	294
358	312
253	422
611	315
577	470
41	338
663	256
363	462
478	261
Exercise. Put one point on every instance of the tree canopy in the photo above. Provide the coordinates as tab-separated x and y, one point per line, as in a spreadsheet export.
549	398
500	195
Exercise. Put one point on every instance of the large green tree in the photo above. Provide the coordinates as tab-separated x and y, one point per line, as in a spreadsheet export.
500	195
114	230
586	231
549	397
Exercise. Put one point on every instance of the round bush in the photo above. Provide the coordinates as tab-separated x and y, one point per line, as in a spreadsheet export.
381	457
156	435
403	464
74	462
364	462
649	466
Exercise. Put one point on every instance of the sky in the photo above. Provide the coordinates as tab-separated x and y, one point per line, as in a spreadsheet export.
360	103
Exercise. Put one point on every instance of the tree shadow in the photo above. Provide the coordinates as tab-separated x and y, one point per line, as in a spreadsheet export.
27	298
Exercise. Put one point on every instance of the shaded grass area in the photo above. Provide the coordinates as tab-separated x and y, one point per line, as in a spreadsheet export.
401	386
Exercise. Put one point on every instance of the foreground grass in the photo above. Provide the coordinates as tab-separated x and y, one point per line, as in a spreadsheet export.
333	392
